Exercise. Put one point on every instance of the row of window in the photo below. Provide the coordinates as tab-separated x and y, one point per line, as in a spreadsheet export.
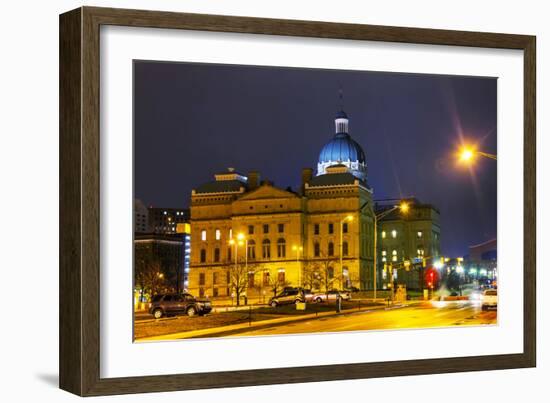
266	278
280	229
266	250
419	253
330	228
250	251
330	249
251	231
394	234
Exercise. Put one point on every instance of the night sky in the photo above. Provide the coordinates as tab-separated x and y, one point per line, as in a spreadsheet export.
193	120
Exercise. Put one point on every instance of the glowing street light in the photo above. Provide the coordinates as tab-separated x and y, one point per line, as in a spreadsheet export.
467	154
298	250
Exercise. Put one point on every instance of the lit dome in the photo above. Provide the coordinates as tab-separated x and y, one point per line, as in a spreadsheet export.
340	149
343	150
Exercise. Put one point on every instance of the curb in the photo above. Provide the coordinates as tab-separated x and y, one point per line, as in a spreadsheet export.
231	329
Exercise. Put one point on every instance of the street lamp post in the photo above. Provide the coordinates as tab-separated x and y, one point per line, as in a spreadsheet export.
239	242
241	239
298	250
404	207
348	218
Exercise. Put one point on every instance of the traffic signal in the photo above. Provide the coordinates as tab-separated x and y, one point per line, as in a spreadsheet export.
431	277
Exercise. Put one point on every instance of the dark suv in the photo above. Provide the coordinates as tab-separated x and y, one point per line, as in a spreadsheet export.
175	304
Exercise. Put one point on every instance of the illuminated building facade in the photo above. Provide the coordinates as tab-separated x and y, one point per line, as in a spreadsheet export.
406	241
319	237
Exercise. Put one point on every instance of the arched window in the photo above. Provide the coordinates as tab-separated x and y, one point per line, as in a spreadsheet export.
218	234
203	235
203	255
345	248
331	249
281	247
266	249
251	252
251	279
217	255
281	276
316	249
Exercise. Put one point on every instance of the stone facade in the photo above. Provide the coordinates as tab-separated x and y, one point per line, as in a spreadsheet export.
288	235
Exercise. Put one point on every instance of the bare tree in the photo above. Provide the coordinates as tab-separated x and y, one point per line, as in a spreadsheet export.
239	278
324	272
149	276
277	284
311	276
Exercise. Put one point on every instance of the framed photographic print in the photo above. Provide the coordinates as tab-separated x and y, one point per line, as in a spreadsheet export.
250	201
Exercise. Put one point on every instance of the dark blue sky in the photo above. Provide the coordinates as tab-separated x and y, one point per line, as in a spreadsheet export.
192	120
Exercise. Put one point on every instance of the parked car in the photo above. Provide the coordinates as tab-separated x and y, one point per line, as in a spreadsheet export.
306	293
331	296
178	304
489	299
288	296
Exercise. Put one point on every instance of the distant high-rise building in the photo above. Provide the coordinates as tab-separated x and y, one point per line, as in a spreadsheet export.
165	220
141	217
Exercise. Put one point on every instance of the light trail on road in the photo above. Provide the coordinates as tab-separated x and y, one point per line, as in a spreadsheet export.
426	315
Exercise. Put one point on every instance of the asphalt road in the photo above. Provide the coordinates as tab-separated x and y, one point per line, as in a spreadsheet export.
429	314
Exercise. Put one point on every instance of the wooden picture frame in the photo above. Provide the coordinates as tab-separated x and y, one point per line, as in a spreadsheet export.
80	199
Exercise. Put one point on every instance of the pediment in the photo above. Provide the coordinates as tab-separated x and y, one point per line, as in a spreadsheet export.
268	192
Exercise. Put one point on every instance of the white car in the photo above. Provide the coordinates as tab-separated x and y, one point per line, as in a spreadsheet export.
331	296
489	299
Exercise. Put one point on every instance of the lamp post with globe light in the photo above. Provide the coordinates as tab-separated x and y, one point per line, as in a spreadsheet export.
348	218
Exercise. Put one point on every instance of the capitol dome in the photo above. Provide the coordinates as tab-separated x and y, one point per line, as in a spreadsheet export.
340	149
343	150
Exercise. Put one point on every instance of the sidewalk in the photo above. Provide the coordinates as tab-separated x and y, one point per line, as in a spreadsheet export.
230	329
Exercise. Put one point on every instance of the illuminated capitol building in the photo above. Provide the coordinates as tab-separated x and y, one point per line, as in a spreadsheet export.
250	236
